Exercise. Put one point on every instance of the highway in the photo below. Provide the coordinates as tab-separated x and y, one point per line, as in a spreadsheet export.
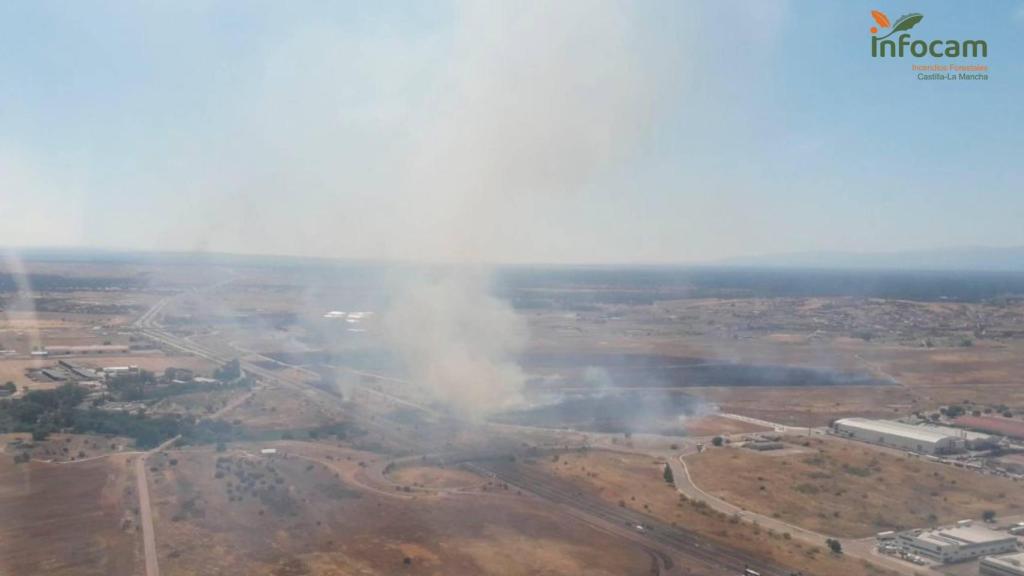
693	553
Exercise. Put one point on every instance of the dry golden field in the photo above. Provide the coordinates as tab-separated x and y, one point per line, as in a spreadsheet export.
69	519
287	515
845	488
636	482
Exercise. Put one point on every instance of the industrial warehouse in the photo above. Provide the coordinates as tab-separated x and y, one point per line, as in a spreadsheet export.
1008	565
924	439
964	541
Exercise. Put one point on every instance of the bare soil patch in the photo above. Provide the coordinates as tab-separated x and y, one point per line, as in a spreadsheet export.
715	425
68	519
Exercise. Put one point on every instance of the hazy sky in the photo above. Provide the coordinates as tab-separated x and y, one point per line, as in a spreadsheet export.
560	131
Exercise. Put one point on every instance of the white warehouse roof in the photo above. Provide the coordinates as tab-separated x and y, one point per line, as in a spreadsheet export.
1008	564
969	534
920	433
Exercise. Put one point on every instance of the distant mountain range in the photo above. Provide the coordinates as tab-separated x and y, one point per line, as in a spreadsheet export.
967	258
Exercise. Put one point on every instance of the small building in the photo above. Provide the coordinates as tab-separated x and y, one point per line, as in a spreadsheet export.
55	374
268	451
90	349
922	439
77	370
1008	565
964	541
116	370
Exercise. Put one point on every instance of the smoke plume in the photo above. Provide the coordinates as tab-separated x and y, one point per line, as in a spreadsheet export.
542	100
459	342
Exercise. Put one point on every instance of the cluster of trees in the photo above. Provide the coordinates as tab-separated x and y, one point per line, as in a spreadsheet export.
43	412
957	410
229	371
953	411
141	385
131	386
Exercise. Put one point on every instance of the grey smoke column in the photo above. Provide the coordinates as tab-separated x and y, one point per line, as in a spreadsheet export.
459	342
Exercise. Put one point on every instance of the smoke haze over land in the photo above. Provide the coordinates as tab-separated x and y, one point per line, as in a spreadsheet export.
459	343
544	98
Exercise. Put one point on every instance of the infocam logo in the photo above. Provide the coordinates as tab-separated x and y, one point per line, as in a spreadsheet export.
904	45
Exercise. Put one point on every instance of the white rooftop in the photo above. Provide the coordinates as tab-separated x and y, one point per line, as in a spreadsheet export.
922	433
971	534
1014	561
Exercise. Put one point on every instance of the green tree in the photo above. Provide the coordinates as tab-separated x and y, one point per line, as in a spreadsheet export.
230	371
834	545
718	440
667	474
953	411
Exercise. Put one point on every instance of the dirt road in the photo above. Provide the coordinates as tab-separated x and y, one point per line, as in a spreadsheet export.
146	518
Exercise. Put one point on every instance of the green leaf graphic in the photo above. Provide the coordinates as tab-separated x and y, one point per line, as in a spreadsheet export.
904	23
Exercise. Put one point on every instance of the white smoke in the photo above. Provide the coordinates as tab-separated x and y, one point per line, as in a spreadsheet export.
459	342
540	102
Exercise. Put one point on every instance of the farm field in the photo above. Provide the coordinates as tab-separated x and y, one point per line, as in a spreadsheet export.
69	519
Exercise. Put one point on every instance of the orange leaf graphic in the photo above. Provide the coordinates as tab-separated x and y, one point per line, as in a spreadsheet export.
881	18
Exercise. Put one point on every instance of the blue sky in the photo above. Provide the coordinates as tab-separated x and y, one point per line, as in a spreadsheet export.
552	132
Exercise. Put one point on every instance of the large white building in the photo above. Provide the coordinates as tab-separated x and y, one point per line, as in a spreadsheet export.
962	542
1009	565
922	439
